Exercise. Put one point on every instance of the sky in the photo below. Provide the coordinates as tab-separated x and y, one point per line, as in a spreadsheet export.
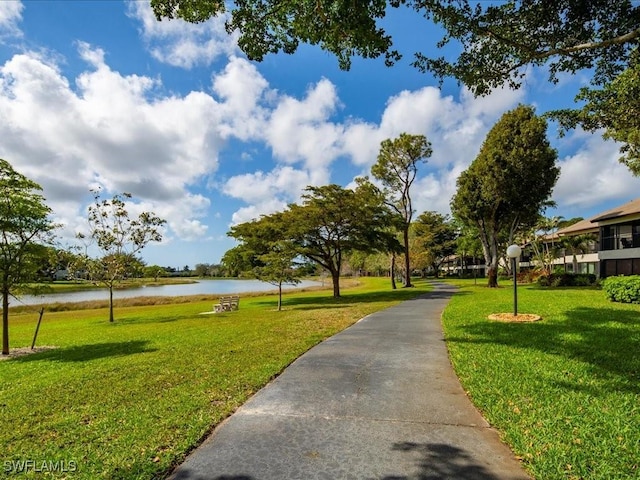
98	94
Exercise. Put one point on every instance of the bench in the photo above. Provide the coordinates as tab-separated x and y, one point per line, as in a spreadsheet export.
227	303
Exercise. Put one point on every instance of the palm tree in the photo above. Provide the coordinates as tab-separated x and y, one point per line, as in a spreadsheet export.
577	244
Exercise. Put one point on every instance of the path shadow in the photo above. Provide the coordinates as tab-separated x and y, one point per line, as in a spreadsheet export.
82	353
439	461
186	474
325	300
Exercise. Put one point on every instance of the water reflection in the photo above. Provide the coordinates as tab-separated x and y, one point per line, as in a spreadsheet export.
199	288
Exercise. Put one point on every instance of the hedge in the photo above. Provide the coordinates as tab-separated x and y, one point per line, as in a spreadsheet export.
567	280
623	289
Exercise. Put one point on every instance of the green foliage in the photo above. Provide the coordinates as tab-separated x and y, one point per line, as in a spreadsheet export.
563	391
119	238
497	40
24	226
508	183
567	280
396	168
622	289
615	108
436	238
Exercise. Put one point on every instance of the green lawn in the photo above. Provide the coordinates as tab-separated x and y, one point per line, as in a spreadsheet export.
131	399
565	391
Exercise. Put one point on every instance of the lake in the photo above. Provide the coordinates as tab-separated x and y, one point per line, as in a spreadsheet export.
218	287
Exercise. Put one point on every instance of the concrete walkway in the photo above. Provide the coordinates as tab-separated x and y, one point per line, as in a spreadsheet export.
376	401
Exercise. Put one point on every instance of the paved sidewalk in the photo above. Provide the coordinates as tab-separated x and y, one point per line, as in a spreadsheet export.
376	401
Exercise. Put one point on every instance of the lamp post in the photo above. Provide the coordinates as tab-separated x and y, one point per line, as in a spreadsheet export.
513	252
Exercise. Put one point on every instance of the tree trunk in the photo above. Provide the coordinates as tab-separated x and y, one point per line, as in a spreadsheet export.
280	296
392	270
575	263
335	278
492	275
407	260
5	320
110	303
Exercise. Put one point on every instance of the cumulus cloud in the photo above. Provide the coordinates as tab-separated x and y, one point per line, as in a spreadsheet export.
593	174
10	17
110	131
180	43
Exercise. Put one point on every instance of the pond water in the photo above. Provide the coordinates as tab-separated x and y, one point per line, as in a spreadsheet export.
199	288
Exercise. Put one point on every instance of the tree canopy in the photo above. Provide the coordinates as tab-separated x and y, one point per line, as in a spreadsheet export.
508	183
24	226
497	42
614	108
497	39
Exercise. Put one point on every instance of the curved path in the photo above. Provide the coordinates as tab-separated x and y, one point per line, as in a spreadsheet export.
379	400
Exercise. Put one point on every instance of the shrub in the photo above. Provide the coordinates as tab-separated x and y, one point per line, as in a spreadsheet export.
567	280
622	289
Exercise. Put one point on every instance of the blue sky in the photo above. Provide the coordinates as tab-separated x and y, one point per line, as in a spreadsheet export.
98	93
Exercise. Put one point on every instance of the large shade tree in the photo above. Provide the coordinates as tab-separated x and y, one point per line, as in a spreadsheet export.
508	183
497	41
397	168
333	221
25	225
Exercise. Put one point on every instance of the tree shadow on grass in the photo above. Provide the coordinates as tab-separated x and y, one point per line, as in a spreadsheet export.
442	461
325	300
607	339
82	353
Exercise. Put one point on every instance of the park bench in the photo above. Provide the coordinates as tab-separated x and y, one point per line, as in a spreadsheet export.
227	303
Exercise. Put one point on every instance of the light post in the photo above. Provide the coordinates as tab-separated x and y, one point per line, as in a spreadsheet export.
513	252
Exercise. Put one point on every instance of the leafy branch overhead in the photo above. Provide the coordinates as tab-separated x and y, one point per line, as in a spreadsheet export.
497	39
496	44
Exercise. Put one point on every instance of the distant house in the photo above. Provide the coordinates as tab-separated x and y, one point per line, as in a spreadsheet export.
617	251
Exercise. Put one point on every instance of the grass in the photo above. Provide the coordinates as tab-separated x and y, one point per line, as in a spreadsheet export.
565	391
131	399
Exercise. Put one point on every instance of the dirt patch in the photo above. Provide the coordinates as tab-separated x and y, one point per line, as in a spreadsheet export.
21	352
510	317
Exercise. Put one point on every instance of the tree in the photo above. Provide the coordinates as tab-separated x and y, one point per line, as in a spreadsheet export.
155	271
577	244
24	226
508	183
333	221
119	238
497	41
436	237
614	108
266	251
278	266
396	168
543	241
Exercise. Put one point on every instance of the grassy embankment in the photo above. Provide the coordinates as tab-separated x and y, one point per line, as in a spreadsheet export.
565	391
130	399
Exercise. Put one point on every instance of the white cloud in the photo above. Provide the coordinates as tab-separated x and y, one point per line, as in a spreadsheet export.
241	87
10	17
180	43
593	174
300	130
108	132
284	183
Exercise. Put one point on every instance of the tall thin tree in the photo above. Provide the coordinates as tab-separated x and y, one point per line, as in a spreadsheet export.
397	168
